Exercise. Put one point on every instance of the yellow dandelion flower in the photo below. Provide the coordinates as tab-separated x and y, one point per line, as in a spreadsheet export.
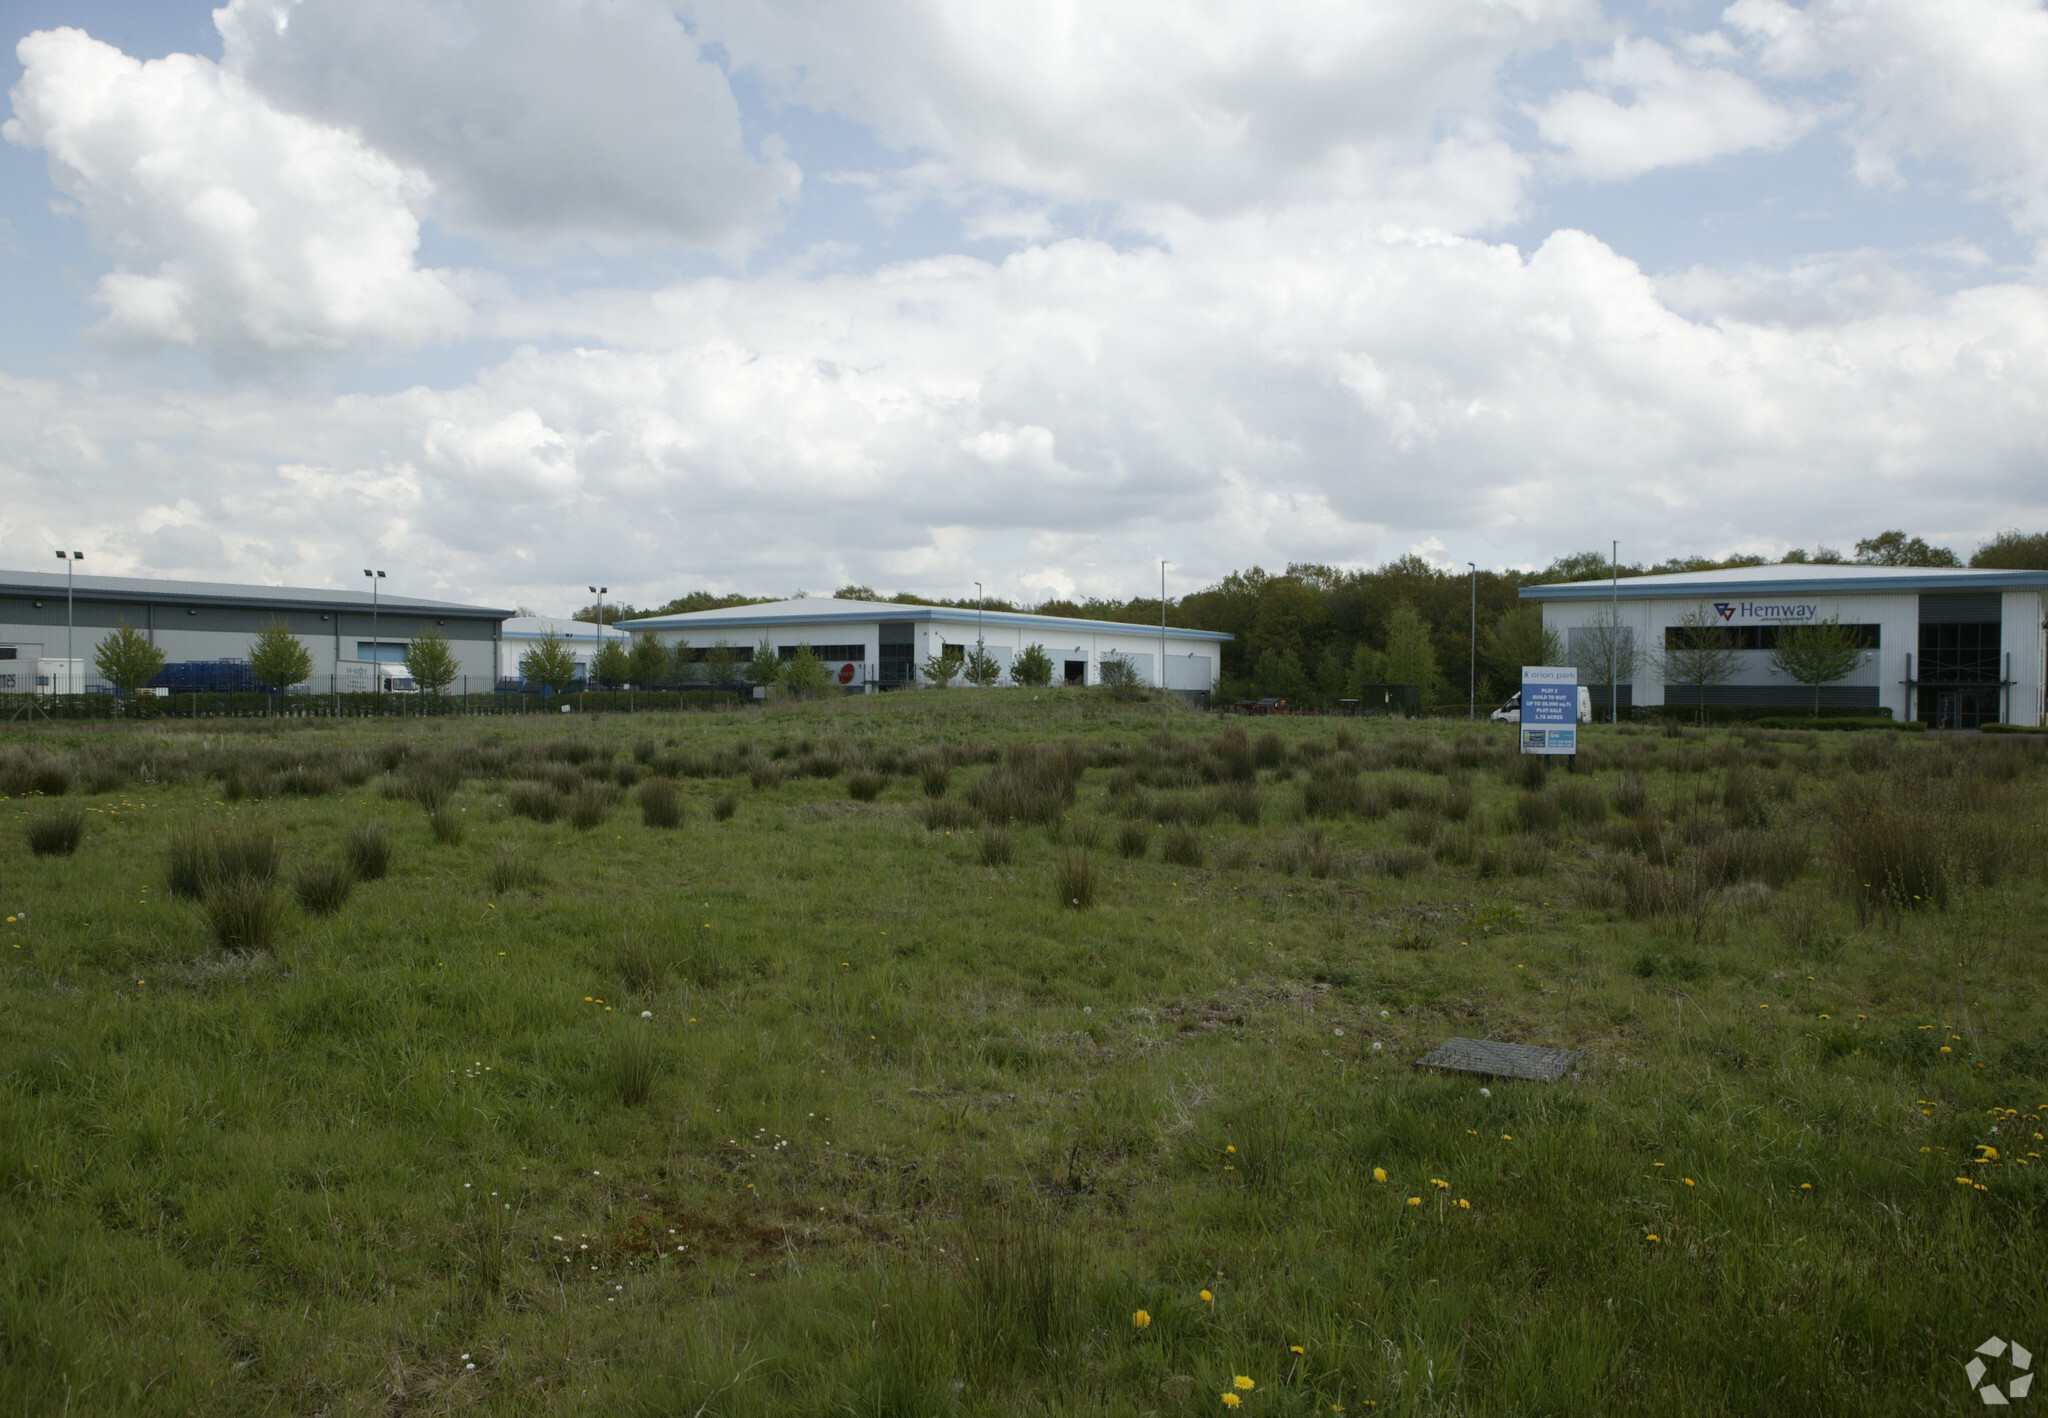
1241	1382
1946	1049
1806	1186
1688	1181
1464	1205
1141	1320
1966	1181
1207	1297
1379	1174
1440	1183
1230	1147
1653	1236
1231	1400
1415	1201
1296	1349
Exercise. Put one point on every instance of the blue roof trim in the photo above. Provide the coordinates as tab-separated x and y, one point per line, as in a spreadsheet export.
1644	588
710	620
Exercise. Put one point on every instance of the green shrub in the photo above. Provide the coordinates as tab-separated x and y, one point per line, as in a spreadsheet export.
56	834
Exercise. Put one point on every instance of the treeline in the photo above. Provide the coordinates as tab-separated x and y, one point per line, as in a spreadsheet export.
1315	634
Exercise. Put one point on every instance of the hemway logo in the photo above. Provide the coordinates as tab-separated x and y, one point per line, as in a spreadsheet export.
2017	1357
1767	610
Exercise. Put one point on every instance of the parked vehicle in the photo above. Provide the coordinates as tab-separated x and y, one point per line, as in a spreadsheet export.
1511	712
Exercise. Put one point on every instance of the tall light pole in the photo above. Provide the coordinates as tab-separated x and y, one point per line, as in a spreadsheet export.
69	559
1614	660
376	651
1162	622
1472	670
592	678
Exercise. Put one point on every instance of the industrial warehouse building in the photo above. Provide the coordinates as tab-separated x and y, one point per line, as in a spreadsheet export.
580	637
205	628
1950	648
877	645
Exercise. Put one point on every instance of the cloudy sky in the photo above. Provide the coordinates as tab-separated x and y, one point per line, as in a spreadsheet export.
507	296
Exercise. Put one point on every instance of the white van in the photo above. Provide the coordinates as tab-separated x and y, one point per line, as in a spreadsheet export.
1511	712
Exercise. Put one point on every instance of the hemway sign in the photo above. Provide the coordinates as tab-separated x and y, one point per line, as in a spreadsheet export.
1774	611
2016	1357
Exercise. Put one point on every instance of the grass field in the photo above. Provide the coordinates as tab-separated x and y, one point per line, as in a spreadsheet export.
891	1056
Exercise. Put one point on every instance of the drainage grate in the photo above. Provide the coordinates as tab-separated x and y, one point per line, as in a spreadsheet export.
1500	1060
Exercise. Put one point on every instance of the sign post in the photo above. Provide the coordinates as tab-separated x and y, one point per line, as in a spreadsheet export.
1550	709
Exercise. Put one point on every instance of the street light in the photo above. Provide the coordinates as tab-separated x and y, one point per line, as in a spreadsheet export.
1472	670
68	558
1162	622
980	640
592	678
376	652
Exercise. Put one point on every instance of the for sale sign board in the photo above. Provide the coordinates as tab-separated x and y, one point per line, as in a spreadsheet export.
1550	709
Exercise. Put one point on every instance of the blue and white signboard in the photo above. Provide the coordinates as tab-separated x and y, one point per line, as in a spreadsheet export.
1550	709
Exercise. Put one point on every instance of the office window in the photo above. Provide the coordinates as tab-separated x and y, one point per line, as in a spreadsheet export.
1752	637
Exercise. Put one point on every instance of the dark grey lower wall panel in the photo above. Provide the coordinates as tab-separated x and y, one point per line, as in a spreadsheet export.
1774	696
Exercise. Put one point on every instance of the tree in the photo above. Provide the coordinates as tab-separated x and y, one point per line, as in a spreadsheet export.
1331	673
1368	666
982	669
1519	637
764	667
1698	654
1817	654
126	659
805	674
650	662
2013	551
550	663
1897	549
612	664
1032	667
722	662
1606	652
279	658
939	669
1411	659
1279	675
1119	674
430	660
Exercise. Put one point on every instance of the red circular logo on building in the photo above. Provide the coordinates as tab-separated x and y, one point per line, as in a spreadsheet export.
846	674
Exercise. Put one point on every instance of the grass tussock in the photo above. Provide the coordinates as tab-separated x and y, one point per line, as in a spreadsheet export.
56	834
995	847
660	804
542	802
203	856
1132	839
592	806
244	914
513	870
1073	880
865	785
1912	841
1181	846
323	887
725	805
634	1065
367	849
448	824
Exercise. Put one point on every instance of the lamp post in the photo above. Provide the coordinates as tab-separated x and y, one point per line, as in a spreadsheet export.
69	559
376	650
1162	622
1614	659
1472	668
591	678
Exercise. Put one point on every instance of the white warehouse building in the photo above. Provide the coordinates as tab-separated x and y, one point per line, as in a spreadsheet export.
1951	648
877	645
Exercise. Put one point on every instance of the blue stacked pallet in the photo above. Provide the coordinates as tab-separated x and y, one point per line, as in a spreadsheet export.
206	677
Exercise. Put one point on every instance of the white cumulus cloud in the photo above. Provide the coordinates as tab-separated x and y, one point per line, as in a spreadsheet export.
1647	110
233	227
534	118
1212	105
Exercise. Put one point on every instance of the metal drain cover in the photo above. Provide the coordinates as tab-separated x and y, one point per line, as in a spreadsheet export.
1501	1060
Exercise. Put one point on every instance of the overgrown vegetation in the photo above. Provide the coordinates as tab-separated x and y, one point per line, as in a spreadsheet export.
896	1054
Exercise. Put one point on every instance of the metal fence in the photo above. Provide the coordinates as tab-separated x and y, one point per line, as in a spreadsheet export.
330	696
